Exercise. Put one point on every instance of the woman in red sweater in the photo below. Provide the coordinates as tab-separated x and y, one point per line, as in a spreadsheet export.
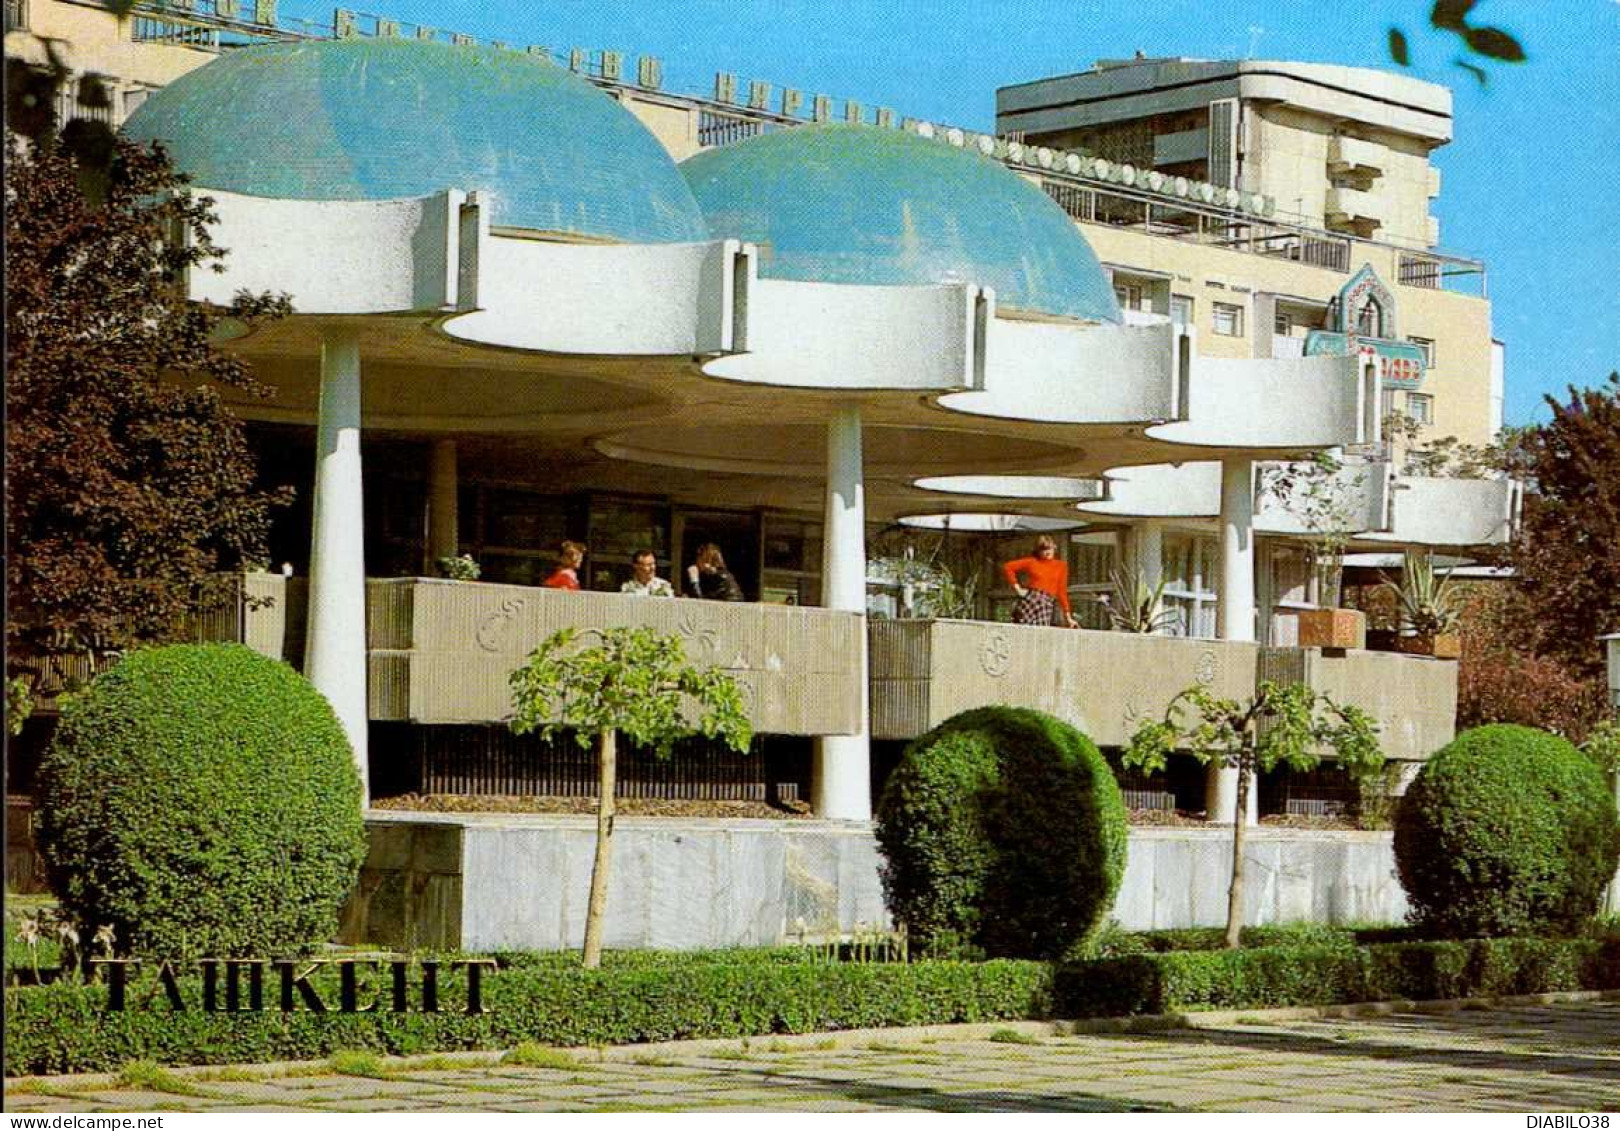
1042	585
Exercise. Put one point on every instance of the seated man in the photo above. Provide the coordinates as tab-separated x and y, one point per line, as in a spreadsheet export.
646	582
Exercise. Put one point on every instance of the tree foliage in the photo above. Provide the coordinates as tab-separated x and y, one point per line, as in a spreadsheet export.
1566	557
1281	725
1486	43
129	484
634	681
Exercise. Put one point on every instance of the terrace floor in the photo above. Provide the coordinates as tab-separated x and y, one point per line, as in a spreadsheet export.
1550	1056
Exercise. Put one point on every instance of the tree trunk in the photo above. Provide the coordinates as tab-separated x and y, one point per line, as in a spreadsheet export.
606	754
1234	895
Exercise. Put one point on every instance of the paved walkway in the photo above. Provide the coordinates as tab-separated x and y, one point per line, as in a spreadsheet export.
1562	1057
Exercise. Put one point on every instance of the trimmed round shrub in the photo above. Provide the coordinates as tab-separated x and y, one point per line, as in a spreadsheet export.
1507	831
201	800
1002	829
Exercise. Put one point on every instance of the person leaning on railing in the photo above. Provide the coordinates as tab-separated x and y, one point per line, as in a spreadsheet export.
1042	585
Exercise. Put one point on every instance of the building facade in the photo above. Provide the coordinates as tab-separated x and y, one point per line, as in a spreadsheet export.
826	343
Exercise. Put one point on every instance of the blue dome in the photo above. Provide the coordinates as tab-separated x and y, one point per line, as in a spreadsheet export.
858	204
381	119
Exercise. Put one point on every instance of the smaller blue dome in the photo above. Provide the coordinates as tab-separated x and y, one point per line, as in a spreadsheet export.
862	204
378	119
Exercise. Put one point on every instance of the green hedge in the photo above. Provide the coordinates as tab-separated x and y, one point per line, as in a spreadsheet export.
1506	831
1002	829
65	1028
201	800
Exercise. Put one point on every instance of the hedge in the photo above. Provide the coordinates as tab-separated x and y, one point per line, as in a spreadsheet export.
66	1028
1002	829
201	799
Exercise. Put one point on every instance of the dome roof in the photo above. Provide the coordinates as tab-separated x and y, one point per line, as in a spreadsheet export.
863	204
382	119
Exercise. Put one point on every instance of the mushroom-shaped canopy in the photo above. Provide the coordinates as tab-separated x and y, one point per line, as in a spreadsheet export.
869	205
379	119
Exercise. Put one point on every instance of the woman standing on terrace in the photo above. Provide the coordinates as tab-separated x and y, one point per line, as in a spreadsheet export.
1044	599
566	575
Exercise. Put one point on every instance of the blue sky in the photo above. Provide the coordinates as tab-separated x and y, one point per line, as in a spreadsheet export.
1531	184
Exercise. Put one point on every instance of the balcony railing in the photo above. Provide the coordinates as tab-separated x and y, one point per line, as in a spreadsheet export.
1109	683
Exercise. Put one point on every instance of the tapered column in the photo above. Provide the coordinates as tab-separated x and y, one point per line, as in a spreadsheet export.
335	660
841	786
1234	613
1147	552
443	540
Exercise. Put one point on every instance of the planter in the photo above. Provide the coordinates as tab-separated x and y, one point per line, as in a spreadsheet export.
1332	628
1440	645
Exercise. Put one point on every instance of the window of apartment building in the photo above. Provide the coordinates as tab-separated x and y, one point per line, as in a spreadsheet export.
1189	584
1283	325
16	15
1130	296
1287	584
1427	346
1181	310
1420	407
1228	319
1093	557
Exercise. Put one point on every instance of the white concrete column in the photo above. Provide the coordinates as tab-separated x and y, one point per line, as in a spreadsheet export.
1147	551
335	658
841	786
1234	614
443	539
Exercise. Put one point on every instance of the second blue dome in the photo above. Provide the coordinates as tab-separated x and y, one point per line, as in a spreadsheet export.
867	205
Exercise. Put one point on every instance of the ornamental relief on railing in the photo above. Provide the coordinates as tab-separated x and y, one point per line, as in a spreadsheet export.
995	654
493	627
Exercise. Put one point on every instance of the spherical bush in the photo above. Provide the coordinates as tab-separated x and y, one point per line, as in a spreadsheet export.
1004	829
1506	831
202	801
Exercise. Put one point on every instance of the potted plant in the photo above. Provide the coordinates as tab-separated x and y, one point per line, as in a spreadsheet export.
1323	496
1429	610
1135	606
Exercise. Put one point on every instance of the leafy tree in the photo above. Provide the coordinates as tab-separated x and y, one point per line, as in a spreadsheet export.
1324	493
1567	567
1287	725
635	682
129	486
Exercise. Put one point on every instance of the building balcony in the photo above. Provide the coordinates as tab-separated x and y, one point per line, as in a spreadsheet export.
1354	207
1109	683
441	652
1350	156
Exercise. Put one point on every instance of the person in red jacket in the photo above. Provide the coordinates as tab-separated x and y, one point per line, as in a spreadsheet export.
566	575
1042	585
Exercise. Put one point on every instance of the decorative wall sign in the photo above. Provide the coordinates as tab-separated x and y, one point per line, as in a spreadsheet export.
995	654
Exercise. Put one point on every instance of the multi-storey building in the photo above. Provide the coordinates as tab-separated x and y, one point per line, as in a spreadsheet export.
798	341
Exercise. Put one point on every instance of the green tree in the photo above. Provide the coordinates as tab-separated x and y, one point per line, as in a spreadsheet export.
1566	565
1288	725
634	682
130	486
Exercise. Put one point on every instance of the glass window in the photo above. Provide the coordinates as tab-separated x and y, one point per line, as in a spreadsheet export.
1129	296
1189	584
1181	310
1427	346
1283	326
1228	319
1420	407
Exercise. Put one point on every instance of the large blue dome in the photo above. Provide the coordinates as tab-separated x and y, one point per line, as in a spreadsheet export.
860	204
381	119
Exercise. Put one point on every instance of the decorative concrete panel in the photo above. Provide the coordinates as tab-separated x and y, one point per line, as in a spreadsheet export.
1106	683
1413	698
798	667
